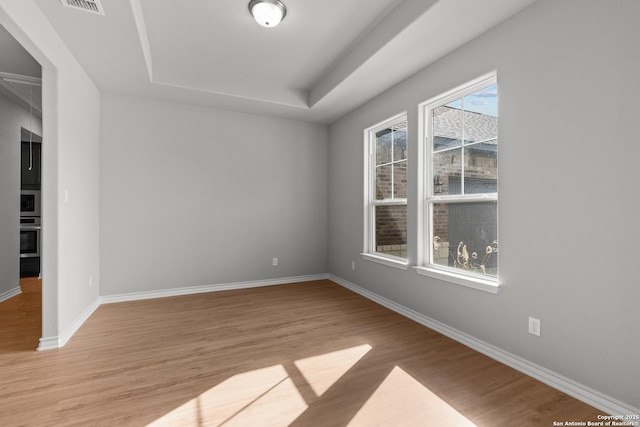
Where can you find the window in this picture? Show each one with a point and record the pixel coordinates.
(386, 192)
(460, 198)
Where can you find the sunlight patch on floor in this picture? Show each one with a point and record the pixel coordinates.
(263, 397)
(401, 400)
(269, 397)
(322, 371)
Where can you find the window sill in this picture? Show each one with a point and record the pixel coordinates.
(394, 262)
(478, 283)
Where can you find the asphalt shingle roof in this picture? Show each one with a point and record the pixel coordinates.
(448, 123)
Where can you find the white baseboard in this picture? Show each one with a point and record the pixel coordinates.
(134, 296)
(581, 392)
(52, 343)
(79, 321)
(48, 343)
(10, 293)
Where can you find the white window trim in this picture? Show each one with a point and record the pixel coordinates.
(369, 253)
(479, 283)
(426, 196)
(389, 260)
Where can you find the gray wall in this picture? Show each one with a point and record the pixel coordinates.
(194, 197)
(567, 73)
(12, 119)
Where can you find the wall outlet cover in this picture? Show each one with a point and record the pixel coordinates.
(534, 326)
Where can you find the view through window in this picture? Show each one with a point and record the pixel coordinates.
(462, 174)
(387, 189)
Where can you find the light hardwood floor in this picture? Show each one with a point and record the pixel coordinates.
(308, 354)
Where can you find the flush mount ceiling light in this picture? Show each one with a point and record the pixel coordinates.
(267, 13)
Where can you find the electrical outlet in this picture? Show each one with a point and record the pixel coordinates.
(353, 265)
(534, 326)
(275, 262)
(90, 281)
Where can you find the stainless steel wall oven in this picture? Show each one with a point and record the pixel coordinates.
(30, 230)
(30, 233)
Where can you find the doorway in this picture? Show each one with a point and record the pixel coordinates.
(20, 197)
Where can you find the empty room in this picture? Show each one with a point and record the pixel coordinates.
(327, 213)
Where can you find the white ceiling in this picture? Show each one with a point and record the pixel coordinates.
(19, 74)
(324, 59)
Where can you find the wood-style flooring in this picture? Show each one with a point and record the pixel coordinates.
(306, 354)
(21, 321)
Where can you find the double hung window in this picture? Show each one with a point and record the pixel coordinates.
(460, 198)
(457, 205)
(386, 192)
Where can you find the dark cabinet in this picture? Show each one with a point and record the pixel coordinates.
(31, 176)
(30, 267)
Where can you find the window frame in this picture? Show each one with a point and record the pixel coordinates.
(427, 196)
(370, 202)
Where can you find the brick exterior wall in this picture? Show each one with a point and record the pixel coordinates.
(471, 220)
(391, 230)
(391, 183)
